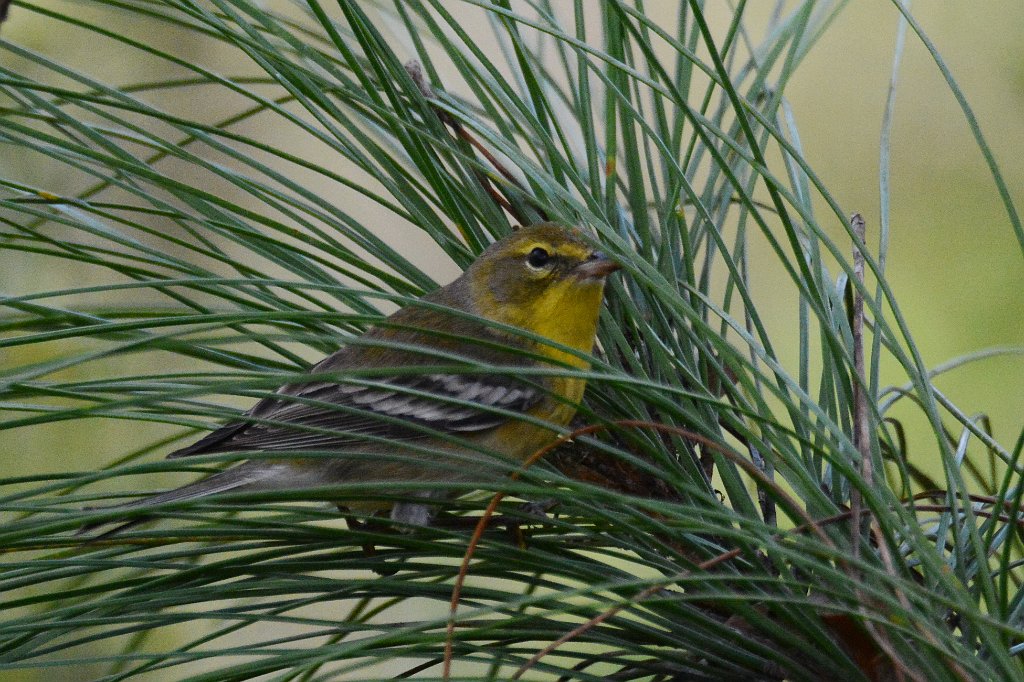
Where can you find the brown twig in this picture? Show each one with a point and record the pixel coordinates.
(869, 664)
(862, 442)
(861, 435)
(861, 432)
(883, 550)
(633, 601)
(748, 467)
(415, 71)
(474, 540)
(647, 592)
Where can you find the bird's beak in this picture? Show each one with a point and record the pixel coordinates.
(597, 266)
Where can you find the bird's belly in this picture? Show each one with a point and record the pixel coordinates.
(520, 439)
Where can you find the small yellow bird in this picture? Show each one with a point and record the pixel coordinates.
(410, 422)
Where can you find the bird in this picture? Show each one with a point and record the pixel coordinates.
(426, 394)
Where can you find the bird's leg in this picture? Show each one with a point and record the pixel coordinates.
(511, 524)
(536, 510)
(370, 524)
(414, 513)
(366, 524)
(539, 509)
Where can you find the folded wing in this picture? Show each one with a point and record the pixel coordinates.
(329, 415)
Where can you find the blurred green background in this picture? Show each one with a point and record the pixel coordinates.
(954, 262)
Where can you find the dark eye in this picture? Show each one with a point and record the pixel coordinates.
(538, 258)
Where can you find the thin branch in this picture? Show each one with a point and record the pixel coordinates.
(861, 432)
(748, 467)
(415, 71)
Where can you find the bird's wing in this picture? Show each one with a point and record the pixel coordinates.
(326, 415)
(409, 405)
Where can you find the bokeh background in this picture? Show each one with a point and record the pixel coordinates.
(954, 263)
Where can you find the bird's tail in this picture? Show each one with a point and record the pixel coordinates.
(244, 476)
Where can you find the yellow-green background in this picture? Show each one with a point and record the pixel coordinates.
(954, 263)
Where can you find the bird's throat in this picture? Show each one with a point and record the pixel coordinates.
(568, 315)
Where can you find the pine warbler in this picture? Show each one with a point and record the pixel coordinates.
(410, 422)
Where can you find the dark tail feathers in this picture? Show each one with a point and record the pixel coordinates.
(236, 478)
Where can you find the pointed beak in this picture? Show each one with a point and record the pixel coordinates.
(597, 266)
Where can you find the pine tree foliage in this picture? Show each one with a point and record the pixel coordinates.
(733, 507)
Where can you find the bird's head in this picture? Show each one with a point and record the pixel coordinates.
(544, 278)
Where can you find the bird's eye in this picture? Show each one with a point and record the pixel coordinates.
(538, 258)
